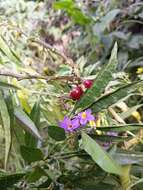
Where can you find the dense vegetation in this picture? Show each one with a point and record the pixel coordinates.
(71, 95)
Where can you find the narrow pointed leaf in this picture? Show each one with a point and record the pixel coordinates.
(8, 51)
(6, 125)
(8, 86)
(122, 128)
(125, 158)
(103, 78)
(101, 157)
(109, 138)
(26, 122)
(113, 97)
(30, 140)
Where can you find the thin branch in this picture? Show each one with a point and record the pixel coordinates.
(21, 76)
(66, 59)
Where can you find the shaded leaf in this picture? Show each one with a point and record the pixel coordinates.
(36, 174)
(8, 180)
(105, 21)
(31, 154)
(92, 185)
(56, 133)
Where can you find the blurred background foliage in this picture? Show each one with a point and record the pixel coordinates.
(48, 47)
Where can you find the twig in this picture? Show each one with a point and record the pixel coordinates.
(66, 59)
(116, 116)
(37, 76)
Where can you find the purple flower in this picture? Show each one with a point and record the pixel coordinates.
(85, 117)
(69, 125)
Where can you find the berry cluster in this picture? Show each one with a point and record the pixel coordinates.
(77, 92)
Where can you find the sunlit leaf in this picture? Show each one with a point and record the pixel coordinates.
(101, 81)
(109, 138)
(122, 128)
(113, 97)
(64, 4)
(26, 122)
(76, 14)
(129, 112)
(35, 117)
(8, 86)
(127, 157)
(8, 51)
(103, 159)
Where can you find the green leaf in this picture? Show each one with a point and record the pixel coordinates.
(44, 184)
(35, 117)
(9, 103)
(64, 4)
(127, 157)
(122, 128)
(70, 7)
(8, 86)
(91, 184)
(6, 125)
(36, 174)
(8, 51)
(8, 180)
(26, 122)
(113, 97)
(101, 81)
(79, 17)
(31, 154)
(105, 21)
(35, 113)
(56, 133)
(109, 138)
(102, 158)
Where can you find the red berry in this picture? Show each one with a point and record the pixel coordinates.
(88, 83)
(76, 93)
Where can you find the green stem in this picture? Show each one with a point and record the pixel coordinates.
(125, 178)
